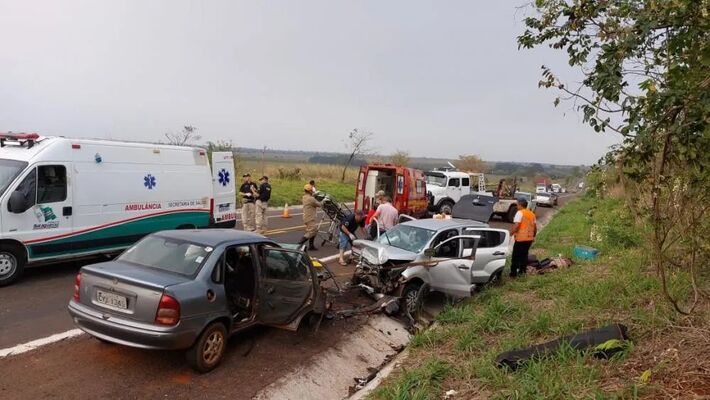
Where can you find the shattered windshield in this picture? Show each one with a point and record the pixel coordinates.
(436, 180)
(9, 169)
(407, 237)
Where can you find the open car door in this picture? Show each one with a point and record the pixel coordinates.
(491, 253)
(476, 207)
(224, 210)
(286, 287)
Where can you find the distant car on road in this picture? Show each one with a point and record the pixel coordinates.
(192, 289)
(546, 199)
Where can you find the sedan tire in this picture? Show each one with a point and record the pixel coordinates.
(208, 350)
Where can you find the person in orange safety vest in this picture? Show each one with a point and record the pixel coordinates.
(524, 230)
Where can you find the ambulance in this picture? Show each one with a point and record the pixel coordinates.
(405, 186)
(64, 198)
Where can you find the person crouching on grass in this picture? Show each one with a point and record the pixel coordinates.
(524, 231)
(348, 228)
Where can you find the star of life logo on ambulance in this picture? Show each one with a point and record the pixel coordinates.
(46, 218)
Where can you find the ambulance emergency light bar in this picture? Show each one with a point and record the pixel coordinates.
(21, 138)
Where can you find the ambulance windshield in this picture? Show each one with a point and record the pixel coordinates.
(9, 169)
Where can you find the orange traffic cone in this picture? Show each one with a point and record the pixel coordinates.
(285, 214)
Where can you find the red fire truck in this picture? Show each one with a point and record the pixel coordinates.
(406, 187)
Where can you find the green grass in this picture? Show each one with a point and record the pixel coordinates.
(615, 287)
(287, 179)
(291, 191)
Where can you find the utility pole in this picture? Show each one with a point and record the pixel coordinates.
(263, 167)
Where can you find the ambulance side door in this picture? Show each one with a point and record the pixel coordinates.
(38, 210)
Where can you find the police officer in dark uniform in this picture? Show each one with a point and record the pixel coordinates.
(262, 203)
(249, 193)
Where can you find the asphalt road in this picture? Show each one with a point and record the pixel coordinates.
(35, 308)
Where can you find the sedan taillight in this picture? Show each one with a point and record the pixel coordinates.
(168, 311)
(77, 287)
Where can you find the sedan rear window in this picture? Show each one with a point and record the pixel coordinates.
(167, 254)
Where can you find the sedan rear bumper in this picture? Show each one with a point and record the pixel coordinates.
(128, 333)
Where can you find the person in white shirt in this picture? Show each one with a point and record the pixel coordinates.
(386, 214)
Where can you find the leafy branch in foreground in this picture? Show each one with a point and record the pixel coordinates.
(646, 69)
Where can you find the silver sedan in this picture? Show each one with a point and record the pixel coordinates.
(193, 289)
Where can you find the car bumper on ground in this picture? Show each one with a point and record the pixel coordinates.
(130, 333)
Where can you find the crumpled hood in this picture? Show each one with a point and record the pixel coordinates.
(378, 253)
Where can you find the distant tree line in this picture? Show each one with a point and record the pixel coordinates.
(336, 160)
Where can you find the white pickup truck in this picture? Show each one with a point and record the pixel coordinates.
(446, 187)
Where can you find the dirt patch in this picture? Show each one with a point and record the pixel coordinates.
(677, 360)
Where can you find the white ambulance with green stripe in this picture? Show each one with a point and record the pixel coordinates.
(64, 198)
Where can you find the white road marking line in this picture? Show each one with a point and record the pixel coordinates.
(57, 337)
(29, 346)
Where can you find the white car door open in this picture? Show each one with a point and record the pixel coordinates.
(491, 252)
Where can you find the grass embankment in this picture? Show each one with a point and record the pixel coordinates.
(668, 355)
(288, 178)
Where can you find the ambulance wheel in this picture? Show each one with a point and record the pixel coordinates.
(510, 216)
(446, 207)
(12, 263)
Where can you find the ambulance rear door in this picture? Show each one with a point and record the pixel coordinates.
(224, 209)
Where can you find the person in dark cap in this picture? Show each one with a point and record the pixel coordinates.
(262, 203)
(249, 193)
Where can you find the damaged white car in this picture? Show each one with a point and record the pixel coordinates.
(452, 256)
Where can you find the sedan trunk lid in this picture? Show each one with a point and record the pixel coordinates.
(125, 290)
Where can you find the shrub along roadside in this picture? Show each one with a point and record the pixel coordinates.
(618, 286)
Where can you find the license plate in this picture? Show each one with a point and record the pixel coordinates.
(111, 299)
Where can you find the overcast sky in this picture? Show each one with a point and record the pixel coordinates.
(435, 78)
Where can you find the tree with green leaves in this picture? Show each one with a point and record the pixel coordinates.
(471, 163)
(400, 157)
(645, 68)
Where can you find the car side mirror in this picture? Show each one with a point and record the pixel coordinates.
(467, 253)
(430, 252)
(17, 203)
